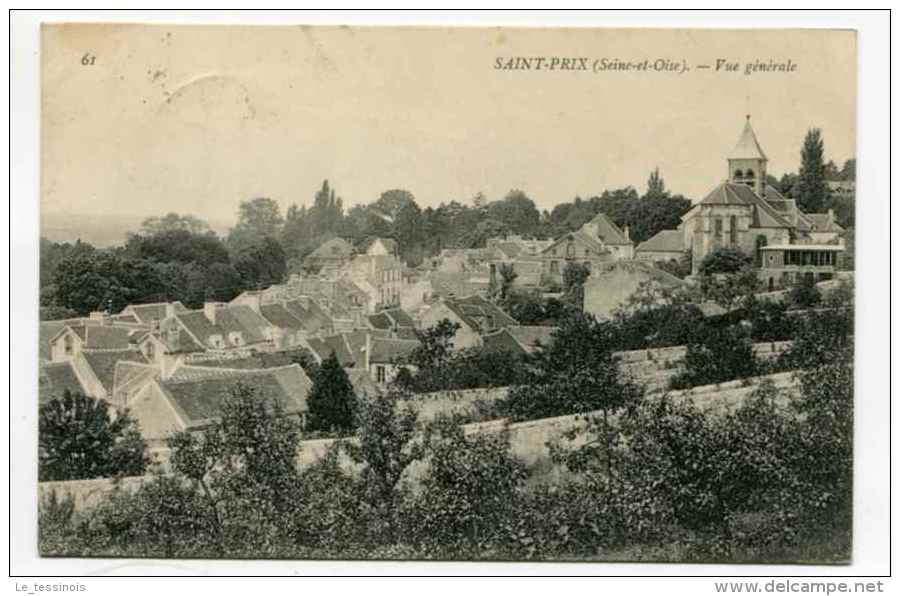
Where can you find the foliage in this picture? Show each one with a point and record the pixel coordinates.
(179, 246)
(577, 373)
(811, 190)
(470, 368)
(464, 507)
(805, 294)
(730, 290)
(331, 400)
(715, 355)
(725, 259)
(574, 277)
(435, 345)
(768, 320)
(82, 437)
(656, 316)
(680, 268)
(258, 218)
(170, 222)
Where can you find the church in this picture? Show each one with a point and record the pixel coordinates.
(746, 212)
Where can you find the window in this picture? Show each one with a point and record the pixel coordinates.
(733, 229)
(380, 374)
(719, 225)
(738, 176)
(554, 267)
(749, 178)
(570, 249)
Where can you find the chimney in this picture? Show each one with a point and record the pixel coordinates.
(170, 309)
(627, 233)
(209, 310)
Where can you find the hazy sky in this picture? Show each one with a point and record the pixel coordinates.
(195, 119)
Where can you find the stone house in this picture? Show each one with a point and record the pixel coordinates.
(475, 315)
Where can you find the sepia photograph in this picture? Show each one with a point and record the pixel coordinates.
(434, 293)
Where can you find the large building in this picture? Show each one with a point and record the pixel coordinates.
(747, 213)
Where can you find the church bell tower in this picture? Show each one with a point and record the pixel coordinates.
(747, 162)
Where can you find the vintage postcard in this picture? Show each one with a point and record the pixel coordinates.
(446, 293)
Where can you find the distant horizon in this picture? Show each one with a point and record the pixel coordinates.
(195, 119)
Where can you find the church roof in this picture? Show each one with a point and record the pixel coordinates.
(747, 146)
(764, 215)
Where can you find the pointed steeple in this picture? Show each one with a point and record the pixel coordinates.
(747, 146)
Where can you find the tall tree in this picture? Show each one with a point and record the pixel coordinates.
(517, 211)
(331, 400)
(655, 184)
(172, 222)
(811, 190)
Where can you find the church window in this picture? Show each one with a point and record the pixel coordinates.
(570, 250)
(738, 176)
(749, 178)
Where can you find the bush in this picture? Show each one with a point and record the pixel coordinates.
(715, 356)
(81, 437)
(331, 400)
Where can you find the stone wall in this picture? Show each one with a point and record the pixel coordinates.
(528, 440)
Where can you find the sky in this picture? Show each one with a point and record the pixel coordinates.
(196, 119)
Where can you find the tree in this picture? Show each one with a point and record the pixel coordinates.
(725, 259)
(244, 464)
(716, 355)
(487, 228)
(517, 211)
(655, 185)
(178, 245)
(257, 219)
(508, 276)
(574, 277)
(171, 222)
(436, 345)
(848, 172)
(576, 374)
(81, 437)
(331, 400)
(811, 190)
(805, 294)
(385, 447)
(261, 263)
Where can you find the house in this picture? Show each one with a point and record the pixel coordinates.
(666, 245)
(330, 254)
(394, 322)
(611, 285)
(192, 399)
(617, 240)
(519, 339)
(386, 356)
(70, 340)
(55, 378)
(475, 315)
(146, 314)
(380, 276)
(747, 213)
(452, 285)
(825, 229)
(416, 293)
(380, 247)
(576, 247)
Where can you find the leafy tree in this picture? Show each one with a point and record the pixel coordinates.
(716, 355)
(331, 400)
(468, 496)
(574, 277)
(811, 190)
(178, 245)
(261, 263)
(171, 222)
(655, 184)
(516, 211)
(436, 345)
(385, 447)
(244, 464)
(848, 172)
(576, 374)
(508, 276)
(82, 437)
(390, 202)
(726, 259)
(488, 228)
(805, 294)
(258, 219)
(768, 320)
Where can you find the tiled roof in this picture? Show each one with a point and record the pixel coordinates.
(391, 350)
(389, 244)
(107, 337)
(153, 311)
(258, 360)
(336, 248)
(580, 237)
(607, 230)
(644, 268)
(279, 316)
(103, 363)
(473, 307)
(200, 395)
(456, 284)
(747, 146)
(310, 315)
(663, 241)
(532, 336)
(390, 318)
(824, 222)
(55, 378)
(132, 374)
(324, 347)
(764, 215)
(229, 319)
